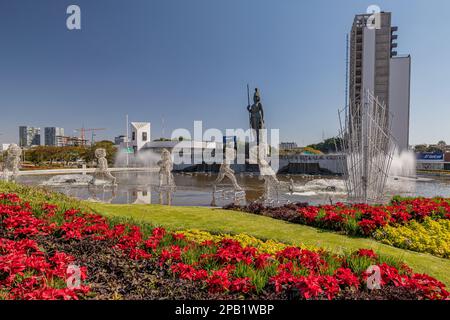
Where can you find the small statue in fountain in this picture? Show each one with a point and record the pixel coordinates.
(291, 185)
(226, 171)
(12, 162)
(102, 167)
(165, 169)
(271, 182)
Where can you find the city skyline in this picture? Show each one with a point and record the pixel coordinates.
(141, 65)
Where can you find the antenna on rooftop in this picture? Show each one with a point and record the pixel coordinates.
(162, 126)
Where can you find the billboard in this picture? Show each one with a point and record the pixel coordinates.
(430, 156)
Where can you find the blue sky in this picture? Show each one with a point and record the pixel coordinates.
(186, 60)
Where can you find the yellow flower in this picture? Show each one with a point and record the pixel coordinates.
(430, 236)
(268, 246)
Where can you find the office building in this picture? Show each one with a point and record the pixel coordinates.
(54, 136)
(29, 136)
(119, 140)
(375, 66)
(288, 145)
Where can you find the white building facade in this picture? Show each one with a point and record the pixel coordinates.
(399, 99)
(140, 135)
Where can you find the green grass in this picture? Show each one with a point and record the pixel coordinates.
(225, 221)
(233, 222)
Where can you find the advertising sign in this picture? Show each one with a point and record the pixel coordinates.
(430, 156)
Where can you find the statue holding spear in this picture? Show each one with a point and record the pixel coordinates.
(256, 113)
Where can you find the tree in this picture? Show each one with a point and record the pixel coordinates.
(420, 148)
(111, 151)
(328, 145)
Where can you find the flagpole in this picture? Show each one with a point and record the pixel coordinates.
(126, 126)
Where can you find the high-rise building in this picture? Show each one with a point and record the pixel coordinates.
(29, 136)
(53, 136)
(119, 140)
(288, 145)
(374, 66)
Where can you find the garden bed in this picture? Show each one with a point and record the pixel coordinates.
(392, 224)
(40, 242)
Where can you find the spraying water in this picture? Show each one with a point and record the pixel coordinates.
(143, 159)
(403, 164)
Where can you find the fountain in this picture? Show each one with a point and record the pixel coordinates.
(145, 158)
(68, 179)
(403, 164)
(101, 176)
(368, 146)
(12, 163)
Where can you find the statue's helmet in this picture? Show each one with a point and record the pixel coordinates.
(100, 153)
(256, 96)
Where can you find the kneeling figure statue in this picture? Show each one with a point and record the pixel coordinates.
(102, 170)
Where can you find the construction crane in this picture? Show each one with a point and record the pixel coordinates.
(83, 131)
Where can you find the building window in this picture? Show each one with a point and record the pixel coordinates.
(144, 136)
(133, 136)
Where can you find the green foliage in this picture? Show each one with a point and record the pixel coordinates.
(110, 148)
(358, 264)
(351, 226)
(430, 148)
(328, 145)
(51, 154)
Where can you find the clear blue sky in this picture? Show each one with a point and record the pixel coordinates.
(188, 60)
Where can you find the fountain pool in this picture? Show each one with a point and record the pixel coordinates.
(194, 189)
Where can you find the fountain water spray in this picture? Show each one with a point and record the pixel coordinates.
(403, 164)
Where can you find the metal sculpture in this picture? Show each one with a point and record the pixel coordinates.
(368, 147)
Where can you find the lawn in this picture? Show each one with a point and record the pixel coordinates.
(225, 221)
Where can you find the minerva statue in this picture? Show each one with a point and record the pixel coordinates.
(102, 167)
(12, 162)
(165, 169)
(256, 114)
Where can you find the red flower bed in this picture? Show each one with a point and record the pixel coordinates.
(26, 272)
(358, 219)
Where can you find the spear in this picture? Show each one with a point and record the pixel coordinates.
(248, 106)
(248, 94)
